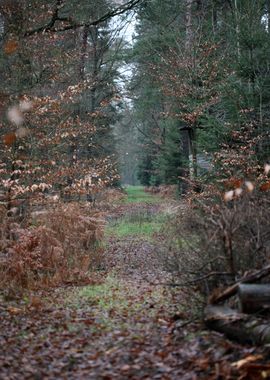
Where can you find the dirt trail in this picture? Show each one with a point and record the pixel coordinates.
(126, 327)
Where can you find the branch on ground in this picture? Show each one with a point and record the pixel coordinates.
(232, 290)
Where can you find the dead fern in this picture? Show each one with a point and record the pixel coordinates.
(61, 246)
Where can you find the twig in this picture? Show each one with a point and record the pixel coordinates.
(232, 290)
(195, 281)
(184, 324)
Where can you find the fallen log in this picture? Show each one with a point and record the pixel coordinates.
(237, 326)
(253, 298)
(232, 290)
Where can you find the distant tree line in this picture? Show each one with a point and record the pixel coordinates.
(201, 89)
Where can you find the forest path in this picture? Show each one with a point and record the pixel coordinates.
(126, 326)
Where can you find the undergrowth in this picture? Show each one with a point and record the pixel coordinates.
(60, 245)
(216, 240)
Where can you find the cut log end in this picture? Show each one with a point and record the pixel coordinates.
(253, 298)
(237, 326)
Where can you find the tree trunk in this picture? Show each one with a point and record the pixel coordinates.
(214, 17)
(237, 326)
(237, 28)
(184, 152)
(232, 290)
(192, 153)
(191, 135)
(253, 298)
(268, 15)
(94, 60)
(188, 23)
(85, 34)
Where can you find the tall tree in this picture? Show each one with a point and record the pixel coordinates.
(50, 125)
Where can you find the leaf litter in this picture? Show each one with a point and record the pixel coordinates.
(125, 326)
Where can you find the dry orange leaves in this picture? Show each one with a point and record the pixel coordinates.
(9, 138)
(11, 46)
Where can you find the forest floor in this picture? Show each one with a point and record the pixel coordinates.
(126, 325)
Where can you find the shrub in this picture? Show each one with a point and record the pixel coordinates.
(219, 238)
(61, 246)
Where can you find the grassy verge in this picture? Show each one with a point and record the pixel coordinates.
(139, 224)
(136, 194)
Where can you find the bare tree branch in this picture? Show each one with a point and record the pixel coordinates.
(72, 25)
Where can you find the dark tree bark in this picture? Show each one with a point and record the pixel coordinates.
(237, 326)
(85, 34)
(253, 298)
(232, 290)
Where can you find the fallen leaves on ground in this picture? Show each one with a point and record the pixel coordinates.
(124, 327)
